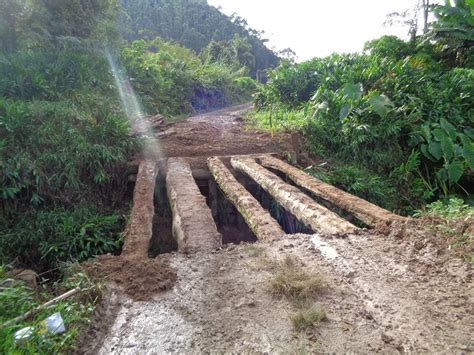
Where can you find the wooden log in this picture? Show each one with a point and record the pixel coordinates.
(193, 226)
(305, 209)
(367, 212)
(256, 217)
(139, 230)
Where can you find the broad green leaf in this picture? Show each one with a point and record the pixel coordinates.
(465, 139)
(457, 151)
(448, 128)
(439, 134)
(469, 132)
(424, 150)
(446, 143)
(426, 132)
(435, 150)
(380, 104)
(353, 91)
(455, 171)
(448, 147)
(442, 174)
(468, 154)
(344, 112)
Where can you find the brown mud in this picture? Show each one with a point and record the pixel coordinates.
(218, 133)
(393, 289)
(140, 278)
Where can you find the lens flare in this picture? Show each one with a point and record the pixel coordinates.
(137, 120)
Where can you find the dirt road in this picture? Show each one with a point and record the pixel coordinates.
(382, 293)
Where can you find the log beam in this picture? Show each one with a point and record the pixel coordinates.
(257, 218)
(304, 208)
(367, 212)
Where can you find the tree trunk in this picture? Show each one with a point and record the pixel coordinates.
(258, 219)
(367, 212)
(426, 11)
(304, 208)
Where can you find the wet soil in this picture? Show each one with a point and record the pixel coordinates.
(139, 277)
(218, 133)
(380, 295)
(392, 289)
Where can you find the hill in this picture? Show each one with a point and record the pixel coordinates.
(194, 24)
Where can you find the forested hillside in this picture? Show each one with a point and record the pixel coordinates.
(194, 24)
(88, 86)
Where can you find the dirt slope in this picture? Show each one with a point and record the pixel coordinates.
(381, 293)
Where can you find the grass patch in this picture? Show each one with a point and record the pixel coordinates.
(278, 119)
(308, 318)
(16, 299)
(254, 250)
(294, 283)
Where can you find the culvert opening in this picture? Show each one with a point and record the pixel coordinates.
(288, 222)
(162, 240)
(228, 220)
(329, 205)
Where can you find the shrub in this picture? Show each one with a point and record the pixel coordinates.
(397, 112)
(47, 237)
(16, 299)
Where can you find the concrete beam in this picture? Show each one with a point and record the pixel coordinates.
(367, 212)
(139, 230)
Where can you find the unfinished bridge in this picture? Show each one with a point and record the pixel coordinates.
(240, 198)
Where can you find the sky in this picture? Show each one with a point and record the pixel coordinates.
(316, 28)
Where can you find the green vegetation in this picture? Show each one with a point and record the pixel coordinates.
(394, 122)
(65, 137)
(173, 80)
(451, 222)
(17, 298)
(308, 318)
(196, 25)
(452, 208)
(64, 141)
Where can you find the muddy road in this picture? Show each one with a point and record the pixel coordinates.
(388, 290)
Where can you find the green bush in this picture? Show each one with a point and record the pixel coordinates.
(47, 237)
(398, 112)
(16, 299)
(172, 80)
(58, 152)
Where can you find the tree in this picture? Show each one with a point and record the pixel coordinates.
(10, 13)
(288, 54)
(410, 18)
(195, 24)
(454, 28)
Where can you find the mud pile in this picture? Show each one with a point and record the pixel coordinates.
(140, 278)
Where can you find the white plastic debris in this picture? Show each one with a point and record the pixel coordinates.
(23, 334)
(55, 324)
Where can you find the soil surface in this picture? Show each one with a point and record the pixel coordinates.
(218, 133)
(392, 289)
(380, 295)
